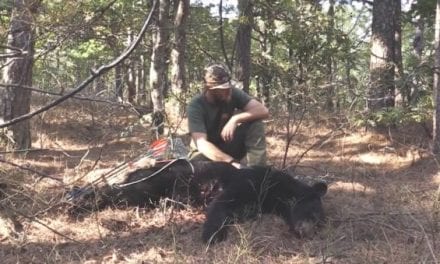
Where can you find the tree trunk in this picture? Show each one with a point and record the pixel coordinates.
(178, 51)
(158, 62)
(436, 85)
(119, 83)
(141, 79)
(265, 71)
(130, 80)
(418, 45)
(381, 87)
(16, 101)
(330, 89)
(243, 44)
(130, 72)
(398, 53)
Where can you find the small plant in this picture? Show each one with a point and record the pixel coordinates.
(392, 117)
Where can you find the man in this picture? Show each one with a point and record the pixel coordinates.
(225, 122)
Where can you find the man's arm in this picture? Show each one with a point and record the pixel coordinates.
(253, 110)
(208, 149)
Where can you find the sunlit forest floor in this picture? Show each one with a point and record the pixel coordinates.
(382, 203)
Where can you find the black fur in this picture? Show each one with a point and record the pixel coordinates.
(243, 194)
(257, 190)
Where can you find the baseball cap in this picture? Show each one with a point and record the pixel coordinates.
(217, 77)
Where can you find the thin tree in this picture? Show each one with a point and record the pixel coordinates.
(178, 50)
(158, 64)
(243, 43)
(436, 85)
(15, 101)
(330, 87)
(398, 61)
(381, 88)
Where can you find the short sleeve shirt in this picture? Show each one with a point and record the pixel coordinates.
(204, 117)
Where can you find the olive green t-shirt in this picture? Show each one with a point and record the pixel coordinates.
(204, 117)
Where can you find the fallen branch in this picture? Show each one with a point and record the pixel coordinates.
(321, 142)
(33, 219)
(425, 235)
(82, 98)
(42, 175)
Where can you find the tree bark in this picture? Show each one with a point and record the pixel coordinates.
(330, 88)
(178, 82)
(158, 62)
(119, 83)
(381, 88)
(436, 85)
(15, 101)
(418, 45)
(243, 44)
(398, 52)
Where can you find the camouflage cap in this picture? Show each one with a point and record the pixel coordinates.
(217, 77)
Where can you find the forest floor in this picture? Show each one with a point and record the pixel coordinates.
(382, 204)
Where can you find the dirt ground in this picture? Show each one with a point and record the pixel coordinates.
(382, 205)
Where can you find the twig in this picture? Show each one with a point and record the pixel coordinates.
(33, 219)
(22, 150)
(42, 175)
(428, 242)
(290, 136)
(92, 77)
(83, 157)
(34, 89)
(318, 143)
(11, 48)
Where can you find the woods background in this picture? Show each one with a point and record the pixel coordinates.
(368, 61)
(352, 88)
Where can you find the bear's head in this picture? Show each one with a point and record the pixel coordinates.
(307, 212)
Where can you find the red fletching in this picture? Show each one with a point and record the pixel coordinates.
(158, 148)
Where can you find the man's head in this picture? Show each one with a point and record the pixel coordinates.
(217, 83)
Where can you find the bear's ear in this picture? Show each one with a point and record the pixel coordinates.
(320, 188)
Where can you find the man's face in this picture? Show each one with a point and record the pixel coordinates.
(220, 96)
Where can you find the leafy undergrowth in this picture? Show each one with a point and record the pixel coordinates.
(382, 203)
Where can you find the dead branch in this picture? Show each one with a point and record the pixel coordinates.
(33, 219)
(60, 94)
(22, 150)
(290, 136)
(12, 55)
(425, 235)
(103, 69)
(42, 175)
(321, 142)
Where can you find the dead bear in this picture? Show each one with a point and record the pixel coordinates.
(243, 194)
(261, 190)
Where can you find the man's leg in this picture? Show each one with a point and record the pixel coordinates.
(255, 143)
(250, 141)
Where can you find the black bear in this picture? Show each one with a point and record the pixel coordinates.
(243, 193)
(250, 191)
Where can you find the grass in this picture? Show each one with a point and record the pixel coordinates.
(382, 204)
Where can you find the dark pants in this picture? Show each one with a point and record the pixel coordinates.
(249, 141)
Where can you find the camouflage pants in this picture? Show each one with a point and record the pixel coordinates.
(249, 141)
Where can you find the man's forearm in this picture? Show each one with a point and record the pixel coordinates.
(244, 117)
(254, 110)
(212, 152)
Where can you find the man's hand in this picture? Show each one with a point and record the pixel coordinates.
(228, 130)
(237, 165)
